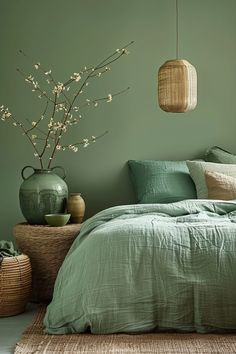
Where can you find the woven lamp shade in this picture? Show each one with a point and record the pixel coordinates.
(177, 86)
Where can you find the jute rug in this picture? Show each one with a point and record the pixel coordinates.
(35, 341)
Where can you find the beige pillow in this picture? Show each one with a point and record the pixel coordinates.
(198, 169)
(220, 186)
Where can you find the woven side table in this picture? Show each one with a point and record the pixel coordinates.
(46, 247)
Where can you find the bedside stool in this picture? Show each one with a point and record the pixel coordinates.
(46, 247)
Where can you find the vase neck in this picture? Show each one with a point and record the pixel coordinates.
(42, 170)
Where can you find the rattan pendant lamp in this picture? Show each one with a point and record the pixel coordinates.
(177, 82)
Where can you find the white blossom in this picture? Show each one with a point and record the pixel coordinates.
(61, 106)
(77, 77)
(6, 114)
(33, 123)
(55, 127)
(48, 72)
(85, 142)
(33, 136)
(109, 98)
(125, 51)
(58, 88)
(37, 65)
(29, 79)
(58, 147)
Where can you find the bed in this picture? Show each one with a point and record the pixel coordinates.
(150, 267)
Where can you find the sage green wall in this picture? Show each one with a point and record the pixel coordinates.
(66, 35)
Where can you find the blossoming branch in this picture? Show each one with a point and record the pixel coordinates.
(63, 107)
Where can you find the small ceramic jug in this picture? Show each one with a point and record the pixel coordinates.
(76, 207)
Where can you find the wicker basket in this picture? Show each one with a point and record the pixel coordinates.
(15, 284)
(46, 247)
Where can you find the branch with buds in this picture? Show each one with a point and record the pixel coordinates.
(62, 107)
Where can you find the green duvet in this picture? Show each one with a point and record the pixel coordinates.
(152, 267)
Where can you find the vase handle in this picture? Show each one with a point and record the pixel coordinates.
(23, 170)
(61, 168)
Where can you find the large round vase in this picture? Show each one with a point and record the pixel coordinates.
(43, 192)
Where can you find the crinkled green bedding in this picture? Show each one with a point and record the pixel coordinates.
(139, 268)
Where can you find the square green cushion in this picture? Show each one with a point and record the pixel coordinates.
(218, 155)
(198, 169)
(161, 181)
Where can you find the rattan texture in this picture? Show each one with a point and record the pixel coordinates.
(34, 340)
(46, 247)
(177, 86)
(15, 284)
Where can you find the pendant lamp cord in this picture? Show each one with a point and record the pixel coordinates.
(177, 28)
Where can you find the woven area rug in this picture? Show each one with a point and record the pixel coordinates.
(35, 341)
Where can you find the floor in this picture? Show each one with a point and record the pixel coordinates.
(11, 329)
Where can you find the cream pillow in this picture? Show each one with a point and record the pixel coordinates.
(220, 186)
(197, 170)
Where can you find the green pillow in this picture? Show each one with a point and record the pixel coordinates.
(198, 169)
(161, 181)
(218, 155)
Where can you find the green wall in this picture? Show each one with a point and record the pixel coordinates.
(66, 35)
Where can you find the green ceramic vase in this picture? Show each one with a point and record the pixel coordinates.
(43, 192)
